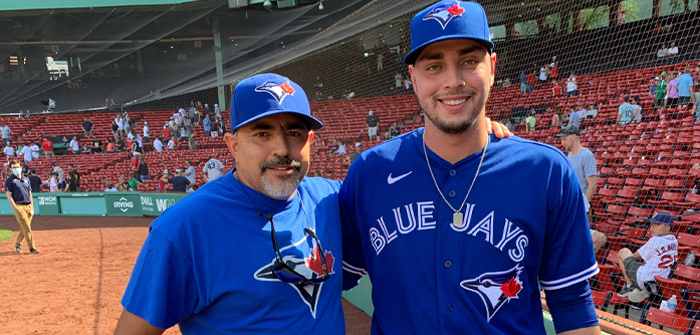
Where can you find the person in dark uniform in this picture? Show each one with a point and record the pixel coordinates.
(19, 194)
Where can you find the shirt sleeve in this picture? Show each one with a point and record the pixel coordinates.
(162, 289)
(568, 256)
(353, 260)
(8, 185)
(589, 168)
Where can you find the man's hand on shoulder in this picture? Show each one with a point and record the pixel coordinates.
(497, 128)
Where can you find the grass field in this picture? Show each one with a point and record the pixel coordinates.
(5, 234)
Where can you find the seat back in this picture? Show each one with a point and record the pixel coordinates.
(666, 319)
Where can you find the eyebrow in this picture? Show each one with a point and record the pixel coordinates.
(440, 55)
(289, 126)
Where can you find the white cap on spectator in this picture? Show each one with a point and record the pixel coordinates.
(371, 112)
(657, 78)
(166, 171)
(358, 144)
(146, 122)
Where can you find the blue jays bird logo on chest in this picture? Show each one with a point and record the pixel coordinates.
(496, 288)
(443, 14)
(278, 90)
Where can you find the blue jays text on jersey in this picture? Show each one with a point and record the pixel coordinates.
(524, 226)
(420, 216)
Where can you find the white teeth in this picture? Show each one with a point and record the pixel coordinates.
(453, 102)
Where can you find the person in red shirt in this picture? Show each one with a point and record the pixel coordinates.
(554, 74)
(556, 88)
(167, 132)
(48, 148)
(531, 80)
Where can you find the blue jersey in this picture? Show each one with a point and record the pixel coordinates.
(207, 263)
(524, 224)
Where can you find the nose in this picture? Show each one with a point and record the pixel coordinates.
(455, 78)
(280, 145)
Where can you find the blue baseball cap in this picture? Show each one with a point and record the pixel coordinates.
(662, 218)
(448, 20)
(268, 94)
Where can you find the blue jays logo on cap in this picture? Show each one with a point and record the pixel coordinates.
(496, 288)
(443, 13)
(278, 90)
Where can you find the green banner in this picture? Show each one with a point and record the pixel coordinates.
(123, 203)
(153, 204)
(45, 204)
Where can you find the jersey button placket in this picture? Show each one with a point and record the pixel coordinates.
(453, 172)
(448, 263)
(452, 193)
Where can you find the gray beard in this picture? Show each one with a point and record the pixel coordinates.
(281, 189)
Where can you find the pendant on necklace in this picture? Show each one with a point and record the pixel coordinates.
(457, 219)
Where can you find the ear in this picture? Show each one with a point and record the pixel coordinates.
(232, 144)
(493, 67)
(312, 135)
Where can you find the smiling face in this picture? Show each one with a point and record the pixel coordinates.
(452, 80)
(272, 154)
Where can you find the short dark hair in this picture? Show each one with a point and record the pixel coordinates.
(14, 161)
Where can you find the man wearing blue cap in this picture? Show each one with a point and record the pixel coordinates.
(458, 229)
(654, 258)
(268, 261)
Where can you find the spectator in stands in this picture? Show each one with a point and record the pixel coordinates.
(173, 143)
(52, 105)
(74, 146)
(584, 164)
(115, 129)
(61, 175)
(143, 168)
(73, 181)
(372, 125)
(96, 146)
(530, 121)
(571, 86)
(353, 155)
(672, 90)
(207, 125)
(191, 143)
(673, 50)
(34, 181)
(86, 127)
(48, 148)
(120, 144)
(695, 97)
(167, 131)
(122, 184)
(582, 111)
(35, 150)
(134, 184)
(656, 257)
(523, 83)
(86, 148)
(574, 118)
(510, 125)
(146, 133)
(9, 150)
(215, 127)
(407, 86)
(212, 169)
(158, 144)
(222, 126)
(187, 124)
(341, 148)
(110, 187)
(661, 92)
(654, 86)
(119, 120)
(556, 88)
(207, 111)
(178, 181)
(554, 71)
(196, 118)
(662, 52)
(217, 111)
(637, 113)
(190, 172)
(506, 83)
(531, 78)
(544, 70)
(27, 153)
(183, 134)
(53, 181)
(199, 105)
(625, 112)
(592, 111)
(556, 120)
(394, 130)
(5, 132)
(685, 87)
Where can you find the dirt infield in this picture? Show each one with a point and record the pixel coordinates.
(74, 286)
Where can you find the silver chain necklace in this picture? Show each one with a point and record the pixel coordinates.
(457, 217)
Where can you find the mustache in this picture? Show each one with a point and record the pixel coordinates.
(281, 160)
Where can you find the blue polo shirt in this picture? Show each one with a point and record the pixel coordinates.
(20, 189)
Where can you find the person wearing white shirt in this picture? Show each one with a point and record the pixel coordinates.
(171, 144)
(213, 169)
(120, 122)
(158, 144)
(35, 150)
(543, 74)
(146, 132)
(673, 50)
(130, 136)
(110, 187)
(139, 140)
(663, 52)
(190, 173)
(27, 153)
(74, 145)
(217, 110)
(571, 87)
(9, 151)
(182, 112)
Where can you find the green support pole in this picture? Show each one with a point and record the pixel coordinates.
(219, 65)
